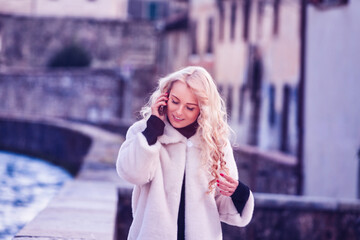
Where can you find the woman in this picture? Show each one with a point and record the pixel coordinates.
(181, 163)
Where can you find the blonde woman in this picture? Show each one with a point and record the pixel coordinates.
(181, 163)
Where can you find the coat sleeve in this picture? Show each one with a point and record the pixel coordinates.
(137, 160)
(227, 210)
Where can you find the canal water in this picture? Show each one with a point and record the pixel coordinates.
(26, 186)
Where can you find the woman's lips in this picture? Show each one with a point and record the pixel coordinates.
(176, 119)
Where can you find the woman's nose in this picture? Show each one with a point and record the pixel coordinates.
(179, 111)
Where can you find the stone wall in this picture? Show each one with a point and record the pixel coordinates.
(93, 95)
(28, 42)
(281, 217)
(266, 171)
(102, 95)
(61, 146)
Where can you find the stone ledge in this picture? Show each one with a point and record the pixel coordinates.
(280, 216)
(291, 202)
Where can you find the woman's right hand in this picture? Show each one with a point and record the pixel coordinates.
(161, 101)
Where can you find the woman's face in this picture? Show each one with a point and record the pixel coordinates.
(182, 107)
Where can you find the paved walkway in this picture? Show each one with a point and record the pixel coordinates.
(86, 207)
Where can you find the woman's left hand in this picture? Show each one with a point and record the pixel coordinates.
(227, 185)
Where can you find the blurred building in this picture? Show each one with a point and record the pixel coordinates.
(100, 9)
(331, 106)
(252, 49)
(288, 78)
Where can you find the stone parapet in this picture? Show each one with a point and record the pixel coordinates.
(266, 171)
(279, 216)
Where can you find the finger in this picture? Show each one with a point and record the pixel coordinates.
(160, 102)
(228, 178)
(162, 99)
(227, 184)
(157, 105)
(228, 194)
(164, 95)
(231, 183)
(225, 188)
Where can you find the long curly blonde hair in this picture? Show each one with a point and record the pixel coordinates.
(213, 127)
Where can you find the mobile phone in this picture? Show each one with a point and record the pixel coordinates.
(162, 110)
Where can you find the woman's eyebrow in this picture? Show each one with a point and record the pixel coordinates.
(191, 104)
(175, 97)
(180, 100)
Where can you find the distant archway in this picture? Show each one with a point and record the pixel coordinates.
(70, 56)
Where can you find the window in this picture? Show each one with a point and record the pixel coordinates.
(260, 13)
(221, 9)
(272, 113)
(276, 17)
(246, 14)
(193, 37)
(153, 10)
(210, 33)
(229, 102)
(0, 39)
(242, 91)
(233, 20)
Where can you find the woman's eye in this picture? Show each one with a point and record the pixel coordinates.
(174, 102)
(189, 108)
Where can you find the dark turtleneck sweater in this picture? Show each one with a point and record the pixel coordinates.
(155, 128)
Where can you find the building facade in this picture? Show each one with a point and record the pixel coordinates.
(252, 49)
(332, 113)
(99, 9)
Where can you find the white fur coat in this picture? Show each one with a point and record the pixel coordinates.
(157, 172)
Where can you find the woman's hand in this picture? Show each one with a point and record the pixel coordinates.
(161, 101)
(227, 185)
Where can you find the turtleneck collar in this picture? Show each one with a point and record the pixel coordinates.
(189, 130)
